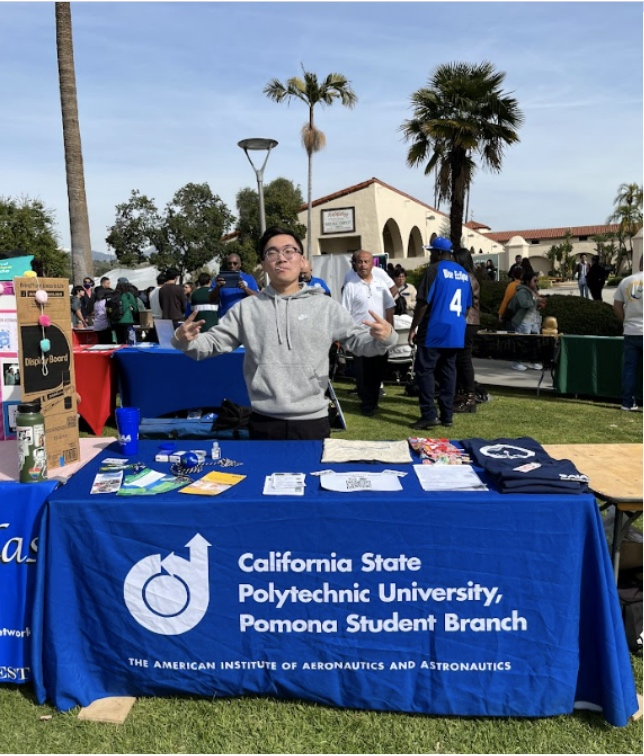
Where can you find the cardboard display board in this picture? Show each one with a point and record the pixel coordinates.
(49, 376)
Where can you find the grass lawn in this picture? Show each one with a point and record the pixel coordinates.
(258, 725)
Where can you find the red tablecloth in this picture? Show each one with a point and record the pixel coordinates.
(96, 386)
(82, 336)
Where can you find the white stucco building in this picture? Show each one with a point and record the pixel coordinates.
(380, 218)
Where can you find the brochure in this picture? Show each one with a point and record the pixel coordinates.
(213, 483)
(149, 481)
(107, 482)
(284, 484)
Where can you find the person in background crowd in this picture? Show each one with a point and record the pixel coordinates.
(154, 297)
(105, 283)
(406, 298)
(510, 290)
(307, 277)
(465, 398)
(172, 298)
(227, 297)
(144, 296)
(596, 278)
(140, 304)
(360, 298)
(189, 288)
(102, 325)
(130, 307)
(88, 287)
(201, 302)
(287, 331)
(527, 318)
(527, 268)
(490, 270)
(627, 306)
(581, 272)
(444, 296)
(78, 317)
(515, 264)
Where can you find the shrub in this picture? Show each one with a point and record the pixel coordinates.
(581, 316)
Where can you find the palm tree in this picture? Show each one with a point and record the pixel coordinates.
(628, 214)
(462, 112)
(82, 264)
(312, 93)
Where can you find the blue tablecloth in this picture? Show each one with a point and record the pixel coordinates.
(160, 381)
(20, 508)
(469, 604)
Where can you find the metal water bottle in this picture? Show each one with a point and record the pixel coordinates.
(30, 430)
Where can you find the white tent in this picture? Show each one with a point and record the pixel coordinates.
(141, 277)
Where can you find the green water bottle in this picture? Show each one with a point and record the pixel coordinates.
(30, 430)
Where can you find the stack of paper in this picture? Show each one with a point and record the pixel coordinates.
(448, 478)
(284, 484)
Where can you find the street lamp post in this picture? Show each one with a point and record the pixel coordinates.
(259, 144)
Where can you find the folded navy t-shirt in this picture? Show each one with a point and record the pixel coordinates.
(522, 465)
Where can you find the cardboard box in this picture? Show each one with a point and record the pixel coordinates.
(49, 376)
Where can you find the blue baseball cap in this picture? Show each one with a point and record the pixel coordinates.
(441, 244)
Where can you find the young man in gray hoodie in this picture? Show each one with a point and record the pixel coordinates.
(287, 331)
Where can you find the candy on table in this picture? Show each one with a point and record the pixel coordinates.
(438, 451)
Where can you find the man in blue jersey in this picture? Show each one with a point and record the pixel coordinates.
(225, 296)
(444, 295)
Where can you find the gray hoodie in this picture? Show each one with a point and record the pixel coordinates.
(287, 341)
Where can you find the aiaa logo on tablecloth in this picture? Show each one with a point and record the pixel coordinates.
(170, 596)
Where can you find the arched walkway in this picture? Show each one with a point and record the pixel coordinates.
(415, 243)
(392, 242)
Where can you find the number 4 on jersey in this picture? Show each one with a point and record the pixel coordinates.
(455, 305)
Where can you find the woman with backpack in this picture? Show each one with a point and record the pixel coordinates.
(121, 308)
(526, 318)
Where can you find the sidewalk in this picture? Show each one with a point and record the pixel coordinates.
(500, 373)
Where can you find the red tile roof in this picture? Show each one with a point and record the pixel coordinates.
(364, 185)
(552, 233)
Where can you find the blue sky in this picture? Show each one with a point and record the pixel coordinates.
(166, 90)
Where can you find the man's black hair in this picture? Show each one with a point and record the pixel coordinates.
(171, 274)
(204, 279)
(276, 231)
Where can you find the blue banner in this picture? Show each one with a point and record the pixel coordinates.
(19, 521)
(15, 267)
(470, 604)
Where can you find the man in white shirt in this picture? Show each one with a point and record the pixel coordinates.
(627, 305)
(361, 296)
(377, 272)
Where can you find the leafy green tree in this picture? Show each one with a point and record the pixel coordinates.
(27, 226)
(311, 92)
(563, 256)
(606, 247)
(186, 236)
(627, 213)
(461, 113)
(82, 264)
(135, 229)
(282, 203)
